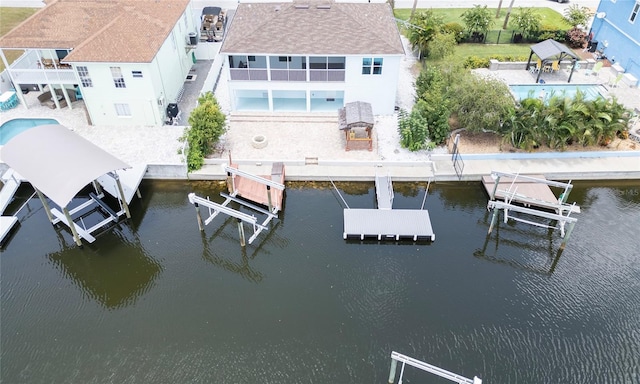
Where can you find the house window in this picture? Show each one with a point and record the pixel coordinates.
(372, 66)
(136, 73)
(118, 80)
(83, 73)
(122, 109)
(634, 12)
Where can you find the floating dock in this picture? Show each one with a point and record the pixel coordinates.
(385, 222)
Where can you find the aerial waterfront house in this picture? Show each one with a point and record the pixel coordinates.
(127, 59)
(616, 31)
(312, 56)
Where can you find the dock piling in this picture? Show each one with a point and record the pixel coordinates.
(241, 233)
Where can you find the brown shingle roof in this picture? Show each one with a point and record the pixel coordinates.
(116, 31)
(322, 27)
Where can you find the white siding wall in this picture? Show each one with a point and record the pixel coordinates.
(161, 79)
(102, 97)
(379, 90)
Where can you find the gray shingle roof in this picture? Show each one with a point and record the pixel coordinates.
(313, 27)
(116, 31)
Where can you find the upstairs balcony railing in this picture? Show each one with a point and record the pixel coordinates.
(31, 68)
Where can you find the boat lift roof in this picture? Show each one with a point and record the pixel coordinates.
(57, 161)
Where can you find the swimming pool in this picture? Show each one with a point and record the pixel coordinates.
(15, 126)
(520, 92)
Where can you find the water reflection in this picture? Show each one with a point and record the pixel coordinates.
(536, 249)
(115, 272)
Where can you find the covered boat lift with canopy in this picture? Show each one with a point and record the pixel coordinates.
(551, 50)
(59, 164)
(357, 114)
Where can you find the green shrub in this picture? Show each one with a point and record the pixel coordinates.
(473, 62)
(413, 130)
(207, 125)
(456, 29)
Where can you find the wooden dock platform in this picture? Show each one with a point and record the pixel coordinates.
(388, 224)
(256, 190)
(529, 190)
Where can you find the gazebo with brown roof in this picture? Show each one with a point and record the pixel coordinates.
(357, 114)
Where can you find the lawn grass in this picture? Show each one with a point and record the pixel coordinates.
(550, 19)
(454, 15)
(9, 18)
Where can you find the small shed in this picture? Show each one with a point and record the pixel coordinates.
(356, 120)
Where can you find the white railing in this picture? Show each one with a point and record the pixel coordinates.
(44, 76)
(395, 357)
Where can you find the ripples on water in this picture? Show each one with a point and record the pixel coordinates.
(157, 301)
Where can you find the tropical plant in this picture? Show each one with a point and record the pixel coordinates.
(478, 19)
(442, 45)
(576, 15)
(413, 130)
(207, 124)
(423, 27)
(527, 22)
(480, 104)
(456, 29)
(576, 37)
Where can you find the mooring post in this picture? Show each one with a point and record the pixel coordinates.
(45, 204)
(495, 187)
(241, 233)
(97, 187)
(392, 371)
(567, 235)
(230, 183)
(198, 216)
(269, 198)
(493, 219)
(123, 199)
(72, 225)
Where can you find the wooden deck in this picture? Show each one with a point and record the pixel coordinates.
(257, 192)
(523, 191)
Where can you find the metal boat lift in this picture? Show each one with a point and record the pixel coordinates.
(406, 360)
(247, 189)
(533, 196)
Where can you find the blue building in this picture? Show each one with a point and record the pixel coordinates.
(616, 28)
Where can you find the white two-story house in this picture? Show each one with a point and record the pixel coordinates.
(127, 59)
(312, 56)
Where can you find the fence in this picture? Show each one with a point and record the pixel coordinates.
(497, 36)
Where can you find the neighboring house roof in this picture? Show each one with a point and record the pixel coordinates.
(117, 31)
(313, 27)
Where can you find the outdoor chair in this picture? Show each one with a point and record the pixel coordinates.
(613, 81)
(555, 66)
(596, 69)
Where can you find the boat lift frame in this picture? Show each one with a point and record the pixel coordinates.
(511, 194)
(215, 208)
(397, 357)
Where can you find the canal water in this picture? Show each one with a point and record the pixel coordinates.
(157, 301)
